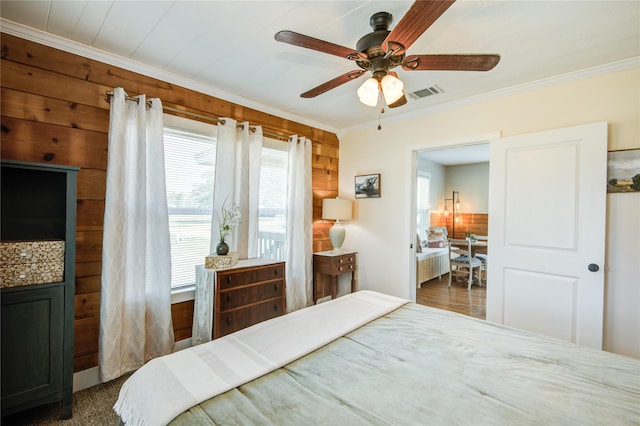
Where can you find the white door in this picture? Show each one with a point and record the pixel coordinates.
(547, 197)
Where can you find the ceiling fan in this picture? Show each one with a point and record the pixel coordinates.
(382, 50)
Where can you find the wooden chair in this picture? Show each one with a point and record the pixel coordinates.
(462, 260)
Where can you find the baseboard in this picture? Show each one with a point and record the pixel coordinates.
(182, 344)
(91, 377)
(85, 379)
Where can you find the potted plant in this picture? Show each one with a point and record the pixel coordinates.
(228, 219)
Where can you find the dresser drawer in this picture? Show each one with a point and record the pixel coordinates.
(235, 320)
(230, 299)
(236, 278)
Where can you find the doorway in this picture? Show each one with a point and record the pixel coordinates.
(456, 201)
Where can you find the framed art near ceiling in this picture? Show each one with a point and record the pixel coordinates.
(623, 171)
(368, 186)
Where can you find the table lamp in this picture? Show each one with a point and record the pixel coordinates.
(336, 209)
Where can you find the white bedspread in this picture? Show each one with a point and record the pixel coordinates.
(167, 386)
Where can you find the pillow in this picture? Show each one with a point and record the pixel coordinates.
(418, 244)
(436, 244)
(438, 230)
(435, 234)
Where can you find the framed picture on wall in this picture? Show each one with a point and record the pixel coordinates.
(623, 171)
(368, 186)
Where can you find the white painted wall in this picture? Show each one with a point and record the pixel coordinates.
(472, 183)
(380, 229)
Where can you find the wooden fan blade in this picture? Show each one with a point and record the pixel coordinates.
(420, 16)
(307, 42)
(471, 62)
(332, 84)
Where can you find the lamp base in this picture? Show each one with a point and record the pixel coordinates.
(336, 236)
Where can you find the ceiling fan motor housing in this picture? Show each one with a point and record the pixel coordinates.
(378, 62)
(380, 24)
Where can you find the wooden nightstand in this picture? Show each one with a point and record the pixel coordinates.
(332, 265)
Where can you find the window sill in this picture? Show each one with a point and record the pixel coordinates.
(183, 293)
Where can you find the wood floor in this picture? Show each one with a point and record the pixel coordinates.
(437, 294)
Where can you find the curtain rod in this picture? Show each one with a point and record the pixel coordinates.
(200, 116)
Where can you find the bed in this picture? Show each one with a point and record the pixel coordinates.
(431, 263)
(395, 362)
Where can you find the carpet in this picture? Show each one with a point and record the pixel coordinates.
(92, 406)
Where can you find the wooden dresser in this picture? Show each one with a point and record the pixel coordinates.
(247, 294)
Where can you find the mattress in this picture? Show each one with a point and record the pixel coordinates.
(421, 365)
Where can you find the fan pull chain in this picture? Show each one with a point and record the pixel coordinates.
(381, 102)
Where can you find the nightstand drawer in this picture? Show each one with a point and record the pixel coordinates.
(344, 264)
(236, 278)
(247, 295)
(238, 319)
(335, 264)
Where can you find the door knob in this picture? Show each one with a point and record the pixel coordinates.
(593, 267)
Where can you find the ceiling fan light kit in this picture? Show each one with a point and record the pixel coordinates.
(391, 87)
(382, 50)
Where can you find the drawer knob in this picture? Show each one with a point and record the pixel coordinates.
(228, 298)
(340, 261)
(340, 268)
(275, 271)
(350, 266)
(228, 320)
(229, 279)
(275, 306)
(275, 287)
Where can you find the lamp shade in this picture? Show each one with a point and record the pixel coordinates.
(392, 88)
(336, 209)
(368, 92)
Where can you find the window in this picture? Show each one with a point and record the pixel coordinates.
(272, 209)
(190, 153)
(422, 204)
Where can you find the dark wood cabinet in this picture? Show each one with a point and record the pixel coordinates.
(38, 213)
(331, 265)
(248, 294)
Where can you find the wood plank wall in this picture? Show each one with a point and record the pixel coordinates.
(54, 110)
(474, 223)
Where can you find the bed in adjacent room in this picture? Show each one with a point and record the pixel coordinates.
(368, 358)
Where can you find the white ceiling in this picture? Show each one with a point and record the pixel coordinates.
(227, 48)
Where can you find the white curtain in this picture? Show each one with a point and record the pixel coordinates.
(299, 219)
(135, 310)
(237, 182)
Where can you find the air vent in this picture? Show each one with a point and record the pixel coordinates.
(429, 91)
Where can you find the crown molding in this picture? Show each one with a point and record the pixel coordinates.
(610, 68)
(70, 46)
